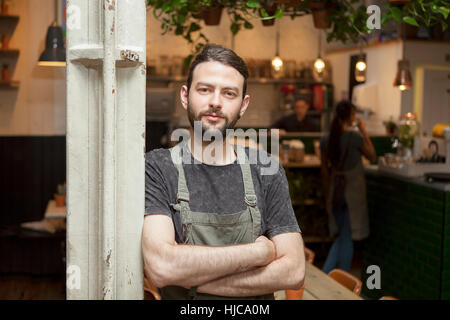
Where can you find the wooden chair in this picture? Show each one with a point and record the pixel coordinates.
(347, 280)
(387, 298)
(309, 255)
(150, 287)
(298, 294)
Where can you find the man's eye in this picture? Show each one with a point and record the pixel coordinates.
(230, 94)
(203, 90)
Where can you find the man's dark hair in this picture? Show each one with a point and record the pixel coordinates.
(214, 52)
(303, 97)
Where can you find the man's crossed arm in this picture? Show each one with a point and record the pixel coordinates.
(239, 270)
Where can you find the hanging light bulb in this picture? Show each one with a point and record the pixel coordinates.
(403, 78)
(319, 65)
(54, 54)
(360, 70)
(277, 63)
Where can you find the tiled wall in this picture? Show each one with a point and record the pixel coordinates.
(409, 239)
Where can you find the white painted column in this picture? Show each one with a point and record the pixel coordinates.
(105, 148)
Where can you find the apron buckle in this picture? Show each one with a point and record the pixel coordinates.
(250, 200)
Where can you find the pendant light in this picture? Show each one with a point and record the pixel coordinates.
(319, 64)
(277, 62)
(403, 79)
(360, 67)
(54, 54)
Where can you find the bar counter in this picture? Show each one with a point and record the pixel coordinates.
(409, 236)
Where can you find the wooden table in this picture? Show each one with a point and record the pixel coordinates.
(54, 219)
(319, 286)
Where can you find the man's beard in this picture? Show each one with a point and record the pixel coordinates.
(229, 123)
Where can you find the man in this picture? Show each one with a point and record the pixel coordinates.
(216, 229)
(298, 121)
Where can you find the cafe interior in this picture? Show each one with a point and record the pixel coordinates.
(395, 72)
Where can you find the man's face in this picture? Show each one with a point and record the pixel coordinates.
(301, 107)
(215, 97)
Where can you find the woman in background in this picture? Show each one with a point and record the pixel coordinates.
(344, 184)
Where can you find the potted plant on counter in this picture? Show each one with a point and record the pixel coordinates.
(60, 195)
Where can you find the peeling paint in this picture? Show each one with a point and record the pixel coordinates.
(108, 258)
(112, 5)
(143, 135)
(113, 91)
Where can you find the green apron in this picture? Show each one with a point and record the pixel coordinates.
(212, 229)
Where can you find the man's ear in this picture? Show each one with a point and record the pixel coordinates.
(244, 105)
(184, 95)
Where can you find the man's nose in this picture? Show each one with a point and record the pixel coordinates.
(216, 100)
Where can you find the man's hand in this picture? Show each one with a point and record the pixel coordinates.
(269, 248)
(286, 271)
(168, 263)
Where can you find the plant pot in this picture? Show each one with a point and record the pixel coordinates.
(60, 199)
(398, 2)
(321, 12)
(295, 294)
(290, 3)
(270, 11)
(407, 32)
(436, 32)
(212, 16)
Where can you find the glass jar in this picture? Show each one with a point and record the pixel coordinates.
(408, 131)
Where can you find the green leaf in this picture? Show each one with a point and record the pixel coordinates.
(235, 28)
(384, 18)
(253, 4)
(279, 14)
(166, 7)
(443, 10)
(194, 27)
(264, 13)
(411, 21)
(248, 25)
(396, 13)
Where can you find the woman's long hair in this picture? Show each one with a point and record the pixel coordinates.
(342, 114)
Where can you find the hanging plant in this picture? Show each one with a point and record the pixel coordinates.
(212, 14)
(267, 13)
(322, 10)
(345, 22)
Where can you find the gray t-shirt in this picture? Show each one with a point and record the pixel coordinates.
(352, 141)
(217, 189)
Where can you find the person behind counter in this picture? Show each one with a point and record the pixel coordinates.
(298, 121)
(344, 184)
(218, 229)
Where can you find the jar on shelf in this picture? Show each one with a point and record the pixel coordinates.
(408, 130)
(6, 74)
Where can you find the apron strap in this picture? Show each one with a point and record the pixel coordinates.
(183, 192)
(250, 195)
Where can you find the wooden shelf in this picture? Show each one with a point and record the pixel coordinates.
(9, 84)
(9, 17)
(9, 52)
(250, 80)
